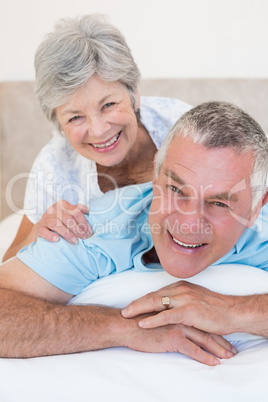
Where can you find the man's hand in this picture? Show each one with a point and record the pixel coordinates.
(198, 345)
(190, 305)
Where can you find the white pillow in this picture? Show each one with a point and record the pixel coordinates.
(119, 290)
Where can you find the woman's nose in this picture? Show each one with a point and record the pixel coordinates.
(98, 127)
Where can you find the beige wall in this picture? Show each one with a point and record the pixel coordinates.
(169, 38)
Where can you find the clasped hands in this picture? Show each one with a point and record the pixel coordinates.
(202, 315)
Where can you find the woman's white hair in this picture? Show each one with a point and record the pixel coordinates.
(219, 125)
(73, 52)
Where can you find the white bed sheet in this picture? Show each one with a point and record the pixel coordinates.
(120, 374)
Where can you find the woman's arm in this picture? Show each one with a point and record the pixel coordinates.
(22, 238)
(61, 219)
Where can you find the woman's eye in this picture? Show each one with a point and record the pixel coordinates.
(75, 118)
(109, 104)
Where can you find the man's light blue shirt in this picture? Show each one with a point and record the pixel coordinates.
(121, 237)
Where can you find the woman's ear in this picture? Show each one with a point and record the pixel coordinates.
(138, 100)
(155, 175)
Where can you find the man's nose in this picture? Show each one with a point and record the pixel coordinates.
(191, 215)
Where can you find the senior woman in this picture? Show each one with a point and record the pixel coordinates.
(106, 135)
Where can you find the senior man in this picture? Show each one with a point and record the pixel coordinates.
(207, 208)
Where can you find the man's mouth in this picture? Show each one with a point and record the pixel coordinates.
(180, 243)
(108, 143)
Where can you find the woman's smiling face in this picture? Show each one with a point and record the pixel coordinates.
(99, 121)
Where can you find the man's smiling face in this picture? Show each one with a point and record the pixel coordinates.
(201, 206)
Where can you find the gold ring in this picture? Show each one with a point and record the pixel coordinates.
(165, 301)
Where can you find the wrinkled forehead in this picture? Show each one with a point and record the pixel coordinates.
(198, 165)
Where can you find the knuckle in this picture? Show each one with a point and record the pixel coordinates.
(54, 223)
(165, 317)
(196, 352)
(81, 228)
(50, 210)
(182, 283)
(151, 297)
(207, 338)
(184, 288)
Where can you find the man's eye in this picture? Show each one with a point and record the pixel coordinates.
(220, 204)
(175, 189)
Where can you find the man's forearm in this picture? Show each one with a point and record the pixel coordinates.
(31, 327)
(251, 314)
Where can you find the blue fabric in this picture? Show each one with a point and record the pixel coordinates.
(121, 236)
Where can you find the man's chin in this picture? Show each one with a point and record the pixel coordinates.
(183, 271)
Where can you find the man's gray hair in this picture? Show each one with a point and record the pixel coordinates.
(73, 52)
(219, 125)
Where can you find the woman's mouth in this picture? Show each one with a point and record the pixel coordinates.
(109, 143)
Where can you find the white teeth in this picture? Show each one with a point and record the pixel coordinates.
(187, 245)
(107, 144)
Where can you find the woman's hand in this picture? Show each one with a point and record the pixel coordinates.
(61, 219)
(65, 220)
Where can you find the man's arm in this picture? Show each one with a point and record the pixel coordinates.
(32, 326)
(201, 308)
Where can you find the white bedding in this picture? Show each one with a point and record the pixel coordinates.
(120, 374)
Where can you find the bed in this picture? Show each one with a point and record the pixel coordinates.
(120, 374)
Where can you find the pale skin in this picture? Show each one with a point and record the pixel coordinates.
(219, 171)
(35, 321)
(96, 113)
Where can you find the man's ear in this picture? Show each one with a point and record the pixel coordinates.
(265, 197)
(256, 210)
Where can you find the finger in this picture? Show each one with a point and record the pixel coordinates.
(222, 341)
(163, 318)
(66, 206)
(153, 301)
(211, 344)
(76, 223)
(83, 208)
(74, 219)
(57, 226)
(146, 304)
(83, 228)
(195, 352)
(47, 234)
